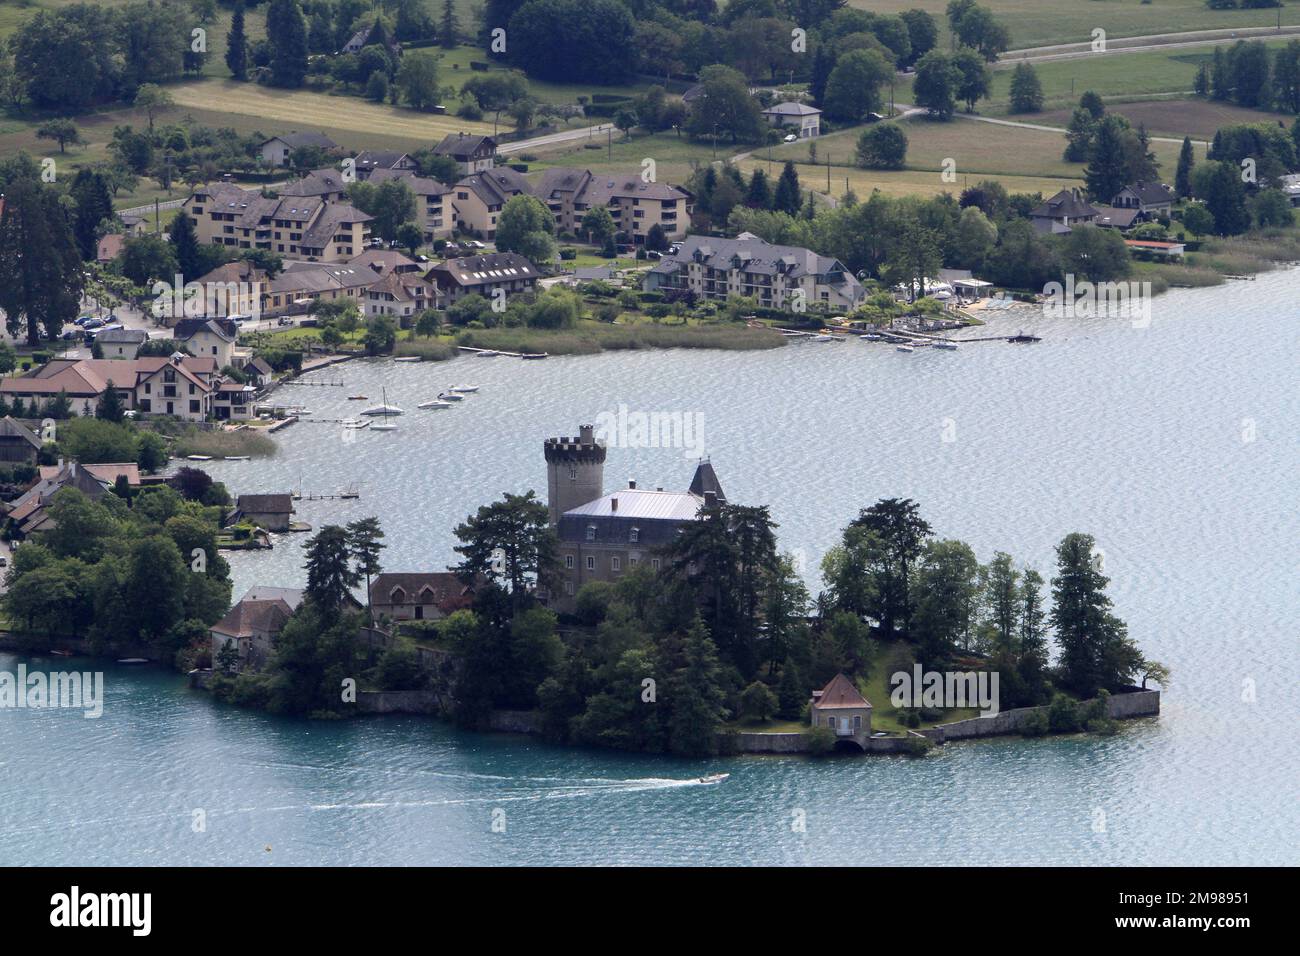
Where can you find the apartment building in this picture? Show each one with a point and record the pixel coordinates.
(778, 277)
(304, 227)
(475, 154)
(434, 211)
(479, 199)
(635, 205)
(507, 271)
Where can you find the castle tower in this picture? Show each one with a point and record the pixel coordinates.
(575, 471)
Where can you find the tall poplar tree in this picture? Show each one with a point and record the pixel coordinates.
(237, 45)
(287, 31)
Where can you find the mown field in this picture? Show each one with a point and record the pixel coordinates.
(1197, 118)
(1043, 22)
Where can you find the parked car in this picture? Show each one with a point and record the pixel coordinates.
(93, 324)
(790, 138)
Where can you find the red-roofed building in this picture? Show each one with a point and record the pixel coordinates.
(179, 385)
(841, 707)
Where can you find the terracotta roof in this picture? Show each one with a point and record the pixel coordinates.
(445, 589)
(840, 692)
(248, 617)
(483, 270)
(107, 472)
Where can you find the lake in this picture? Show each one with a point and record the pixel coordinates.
(1174, 444)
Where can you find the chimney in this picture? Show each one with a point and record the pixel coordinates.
(613, 504)
(631, 483)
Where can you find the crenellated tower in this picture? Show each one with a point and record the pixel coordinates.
(575, 471)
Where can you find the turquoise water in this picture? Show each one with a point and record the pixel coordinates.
(1175, 445)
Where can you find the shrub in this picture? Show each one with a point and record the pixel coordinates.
(1103, 726)
(820, 740)
(1035, 725)
(917, 746)
(1063, 715)
(568, 253)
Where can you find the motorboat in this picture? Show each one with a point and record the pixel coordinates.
(464, 389)
(533, 355)
(904, 348)
(450, 397)
(199, 457)
(407, 358)
(946, 345)
(715, 778)
(436, 403)
(357, 398)
(823, 338)
(488, 353)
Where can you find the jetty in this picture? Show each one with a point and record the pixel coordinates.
(488, 353)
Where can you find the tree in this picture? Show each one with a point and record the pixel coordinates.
(365, 542)
(975, 238)
(901, 532)
(1096, 651)
(185, 244)
(1183, 177)
(656, 240)
(1201, 84)
(975, 80)
(695, 695)
(153, 99)
(1095, 254)
(758, 195)
(625, 120)
(787, 199)
(853, 89)
(593, 47)
(94, 204)
(526, 226)
(380, 336)
(1251, 84)
(947, 590)
(151, 452)
(976, 27)
(1271, 207)
(1108, 166)
(1219, 186)
(935, 85)
(757, 702)
(1198, 220)
(1093, 103)
(598, 225)
(109, 408)
(922, 31)
(510, 542)
(823, 63)
(882, 146)
(40, 269)
(287, 32)
(62, 131)
(390, 202)
(1286, 77)
(725, 106)
(1026, 90)
(417, 79)
(449, 33)
(330, 574)
(237, 44)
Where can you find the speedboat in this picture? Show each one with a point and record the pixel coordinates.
(384, 426)
(904, 348)
(434, 404)
(407, 358)
(945, 344)
(488, 353)
(873, 337)
(450, 397)
(464, 389)
(715, 778)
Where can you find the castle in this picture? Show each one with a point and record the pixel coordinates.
(603, 536)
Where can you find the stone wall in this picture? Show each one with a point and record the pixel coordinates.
(400, 702)
(751, 743)
(1132, 702)
(516, 721)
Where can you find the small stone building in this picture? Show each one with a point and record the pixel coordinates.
(841, 707)
(272, 512)
(419, 596)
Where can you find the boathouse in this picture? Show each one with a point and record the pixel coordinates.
(841, 707)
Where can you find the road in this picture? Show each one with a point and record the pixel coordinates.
(552, 139)
(1142, 44)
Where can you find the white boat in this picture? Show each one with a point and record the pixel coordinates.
(236, 458)
(434, 404)
(199, 457)
(384, 410)
(383, 427)
(904, 348)
(387, 411)
(822, 338)
(715, 778)
(354, 423)
(450, 397)
(464, 389)
(945, 344)
(488, 353)
(407, 358)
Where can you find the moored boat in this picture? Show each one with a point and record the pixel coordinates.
(904, 348)
(533, 355)
(946, 345)
(450, 397)
(464, 389)
(436, 403)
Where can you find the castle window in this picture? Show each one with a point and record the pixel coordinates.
(654, 564)
(591, 562)
(568, 587)
(616, 564)
(568, 561)
(634, 535)
(573, 472)
(591, 532)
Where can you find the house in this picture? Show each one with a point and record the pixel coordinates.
(301, 285)
(209, 338)
(233, 288)
(1146, 248)
(133, 224)
(252, 625)
(258, 372)
(305, 227)
(1116, 217)
(327, 184)
(478, 199)
(802, 120)
(475, 154)
(507, 271)
(603, 536)
(401, 295)
(272, 512)
(1062, 212)
(841, 707)
(964, 284)
(109, 247)
(1151, 200)
(361, 39)
(370, 160)
(277, 150)
(423, 596)
(18, 443)
(120, 343)
(384, 261)
(1290, 186)
(29, 514)
(177, 385)
(635, 204)
(778, 277)
(434, 212)
(233, 401)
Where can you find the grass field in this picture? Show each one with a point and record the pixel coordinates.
(1197, 118)
(1043, 22)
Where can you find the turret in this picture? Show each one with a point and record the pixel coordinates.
(575, 471)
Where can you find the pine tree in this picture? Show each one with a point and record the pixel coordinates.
(1201, 85)
(787, 191)
(1107, 170)
(1026, 90)
(237, 45)
(287, 31)
(109, 408)
(94, 203)
(759, 195)
(1220, 76)
(695, 695)
(1033, 658)
(821, 74)
(185, 243)
(1183, 177)
(450, 32)
(791, 695)
(40, 268)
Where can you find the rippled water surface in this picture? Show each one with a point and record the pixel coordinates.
(1175, 445)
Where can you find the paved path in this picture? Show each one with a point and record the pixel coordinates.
(552, 139)
(1142, 44)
